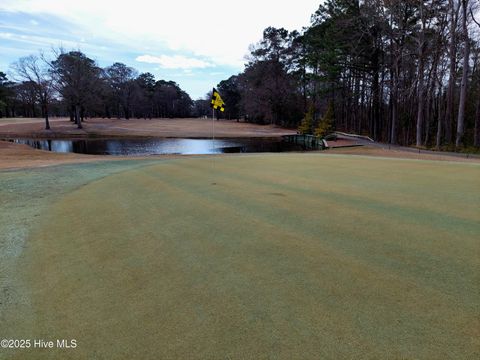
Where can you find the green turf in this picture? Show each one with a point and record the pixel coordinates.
(290, 256)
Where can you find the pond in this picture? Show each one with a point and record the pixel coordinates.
(149, 146)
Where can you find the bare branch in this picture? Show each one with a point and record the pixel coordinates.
(473, 17)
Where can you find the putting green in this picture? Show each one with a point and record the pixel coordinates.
(289, 256)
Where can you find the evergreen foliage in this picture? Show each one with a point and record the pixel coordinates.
(325, 124)
(306, 125)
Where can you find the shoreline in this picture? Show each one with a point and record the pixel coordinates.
(19, 156)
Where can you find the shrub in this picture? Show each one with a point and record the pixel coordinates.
(325, 123)
(306, 125)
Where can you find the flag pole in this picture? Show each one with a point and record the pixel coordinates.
(216, 102)
(213, 143)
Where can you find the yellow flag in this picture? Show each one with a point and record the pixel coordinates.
(217, 101)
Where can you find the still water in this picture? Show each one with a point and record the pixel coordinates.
(138, 147)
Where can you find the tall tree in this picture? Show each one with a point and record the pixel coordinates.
(77, 79)
(269, 92)
(34, 71)
(26, 97)
(171, 101)
(229, 89)
(6, 93)
(122, 81)
(143, 97)
(453, 9)
(463, 86)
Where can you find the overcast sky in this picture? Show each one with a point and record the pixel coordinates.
(195, 43)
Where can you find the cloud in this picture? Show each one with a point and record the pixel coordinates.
(174, 62)
(190, 26)
(206, 39)
(6, 35)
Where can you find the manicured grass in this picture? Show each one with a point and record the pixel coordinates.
(287, 256)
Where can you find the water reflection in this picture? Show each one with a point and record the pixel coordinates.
(137, 147)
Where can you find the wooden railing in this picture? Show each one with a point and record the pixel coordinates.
(308, 141)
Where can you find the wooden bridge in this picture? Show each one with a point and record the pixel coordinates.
(308, 141)
(333, 140)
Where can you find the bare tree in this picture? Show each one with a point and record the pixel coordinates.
(32, 69)
(454, 8)
(463, 87)
(476, 87)
(421, 68)
(473, 17)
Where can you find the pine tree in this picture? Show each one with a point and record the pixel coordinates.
(325, 124)
(306, 125)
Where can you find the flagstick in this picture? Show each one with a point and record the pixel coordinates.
(213, 142)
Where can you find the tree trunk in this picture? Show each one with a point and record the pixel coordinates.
(432, 81)
(393, 129)
(362, 106)
(45, 110)
(420, 106)
(449, 113)
(438, 142)
(420, 89)
(476, 135)
(420, 94)
(376, 99)
(77, 116)
(463, 87)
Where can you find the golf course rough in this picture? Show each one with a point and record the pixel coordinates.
(287, 256)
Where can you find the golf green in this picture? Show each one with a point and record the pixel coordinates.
(272, 256)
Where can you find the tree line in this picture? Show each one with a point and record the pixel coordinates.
(403, 72)
(74, 85)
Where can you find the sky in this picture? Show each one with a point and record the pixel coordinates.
(194, 43)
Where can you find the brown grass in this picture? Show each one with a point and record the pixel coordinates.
(23, 156)
(187, 128)
(400, 154)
